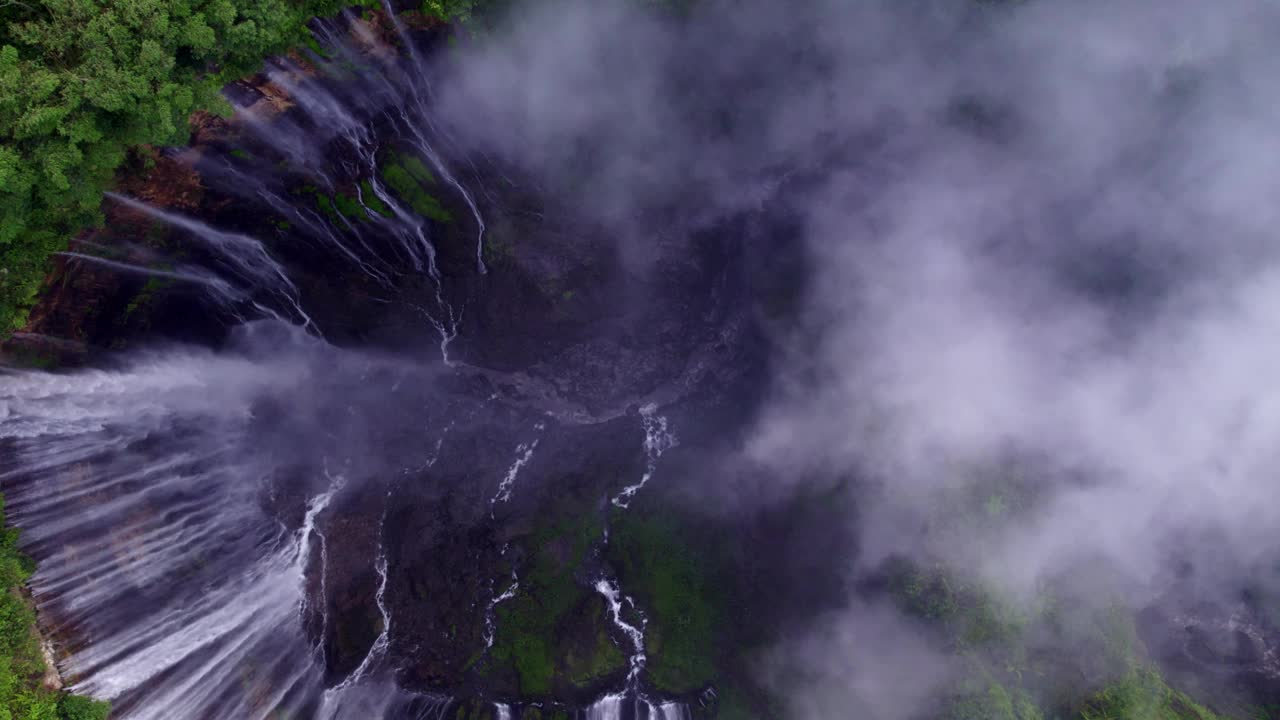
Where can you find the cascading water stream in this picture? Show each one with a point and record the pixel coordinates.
(220, 288)
(332, 700)
(334, 111)
(608, 589)
(345, 117)
(418, 93)
(244, 256)
(524, 453)
(318, 504)
(657, 440)
(616, 707)
(490, 622)
(328, 111)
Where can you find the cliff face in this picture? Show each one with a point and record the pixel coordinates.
(90, 307)
(552, 374)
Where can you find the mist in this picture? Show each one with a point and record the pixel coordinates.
(1037, 243)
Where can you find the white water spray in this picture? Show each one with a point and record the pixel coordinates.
(221, 289)
(657, 440)
(315, 506)
(490, 622)
(524, 452)
(608, 589)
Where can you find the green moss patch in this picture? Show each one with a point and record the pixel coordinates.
(339, 205)
(554, 633)
(348, 206)
(410, 180)
(417, 169)
(371, 199)
(146, 295)
(1143, 695)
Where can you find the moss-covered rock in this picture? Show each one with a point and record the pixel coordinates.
(989, 699)
(1143, 695)
(473, 709)
(553, 635)
(673, 581)
(371, 199)
(411, 181)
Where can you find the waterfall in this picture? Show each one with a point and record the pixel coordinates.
(657, 440)
(608, 707)
(608, 589)
(633, 707)
(220, 288)
(674, 711)
(134, 492)
(417, 93)
(344, 113)
(327, 109)
(611, 706)
(314, 507)
(139, 491)
(244, 257)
